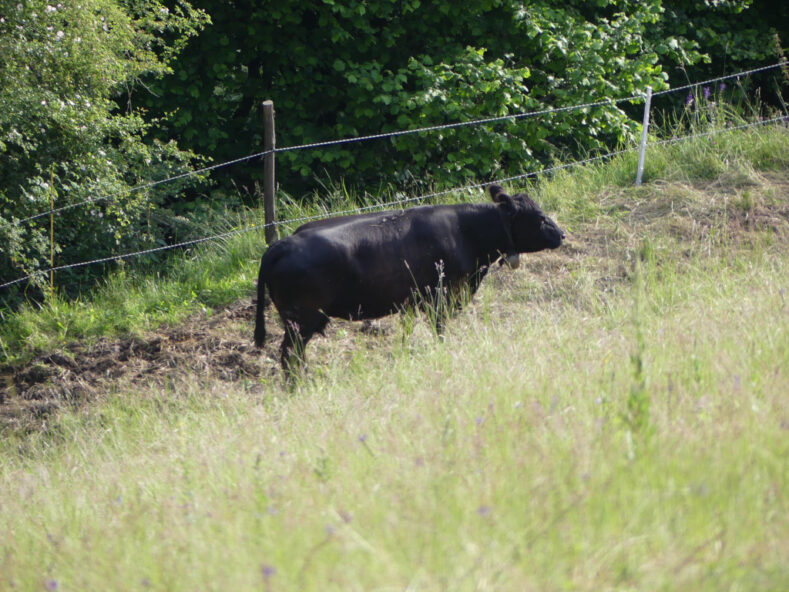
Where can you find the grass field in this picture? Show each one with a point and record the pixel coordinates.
(613, 415)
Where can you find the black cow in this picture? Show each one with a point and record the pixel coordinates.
(371, 265)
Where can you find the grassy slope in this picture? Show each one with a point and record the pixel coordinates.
(611, 416)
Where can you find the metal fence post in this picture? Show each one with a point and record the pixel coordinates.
(644, 134)
(269, 181)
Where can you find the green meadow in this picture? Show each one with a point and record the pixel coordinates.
(613, 415)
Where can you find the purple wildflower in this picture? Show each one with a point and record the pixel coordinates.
(267, 571)
(689, 99)
(722, 86)
(52, 585)
(707, 92)
(483, 510)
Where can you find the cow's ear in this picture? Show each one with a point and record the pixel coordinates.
(498, 195)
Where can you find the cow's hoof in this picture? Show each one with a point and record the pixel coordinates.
(513, 261)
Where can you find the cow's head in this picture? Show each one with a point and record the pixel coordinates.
(530, 229)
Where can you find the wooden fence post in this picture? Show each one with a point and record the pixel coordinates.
(269, 181)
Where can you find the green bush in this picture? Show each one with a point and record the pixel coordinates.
(69, 132)
(338, 69)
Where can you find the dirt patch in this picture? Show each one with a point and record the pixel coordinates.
(216, 346)
(208, 348)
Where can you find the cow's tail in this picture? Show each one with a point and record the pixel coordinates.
(260, 317)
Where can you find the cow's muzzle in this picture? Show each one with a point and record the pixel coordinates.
(552, 234)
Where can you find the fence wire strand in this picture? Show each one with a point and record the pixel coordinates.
(512, 117)
(189, 243)
(721, 78)
(391, 204)
(724, 130)
(137, 188)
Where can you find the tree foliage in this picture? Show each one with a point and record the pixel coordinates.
(731, 32)
(342, 68)
(68, 133)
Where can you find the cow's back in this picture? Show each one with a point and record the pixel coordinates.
(362, 266)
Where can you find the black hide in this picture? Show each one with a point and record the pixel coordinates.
(371, 265)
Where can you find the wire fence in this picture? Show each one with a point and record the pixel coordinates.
(401, 202)
(712, 81)
(332, 143)
(394, 134)
(144, 186)
(512, 117)
(395, 203)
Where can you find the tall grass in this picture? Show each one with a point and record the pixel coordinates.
(501, 458)
(611, 416)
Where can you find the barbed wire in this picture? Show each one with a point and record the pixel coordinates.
(461, 189)
(513, 117)
(390, 204)
(517, 116)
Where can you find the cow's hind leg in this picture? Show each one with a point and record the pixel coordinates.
(292, 348)
(297, 335)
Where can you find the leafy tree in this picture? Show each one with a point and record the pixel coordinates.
(735, 35)
(342, 68)
(68, 132)
(736, 32)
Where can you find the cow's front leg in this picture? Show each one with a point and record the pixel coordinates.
(475, 279)
(437, 303)
(454, 297)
